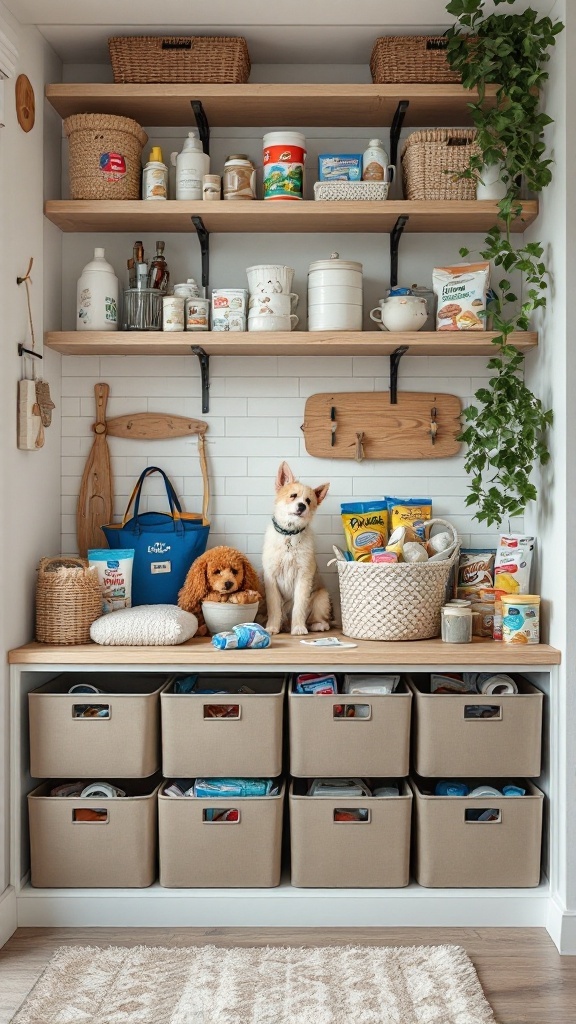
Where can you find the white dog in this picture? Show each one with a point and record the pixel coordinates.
(294, 591)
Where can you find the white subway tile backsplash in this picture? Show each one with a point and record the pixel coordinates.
(251, 426)
(251, 387)
(321, 385)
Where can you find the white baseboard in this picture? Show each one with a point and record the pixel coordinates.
(561, 926)
(8, 915)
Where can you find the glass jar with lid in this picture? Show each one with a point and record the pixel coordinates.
(239, 178)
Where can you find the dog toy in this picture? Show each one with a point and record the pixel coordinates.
(247, 634)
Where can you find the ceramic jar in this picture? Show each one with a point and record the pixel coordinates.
(335, 295)
(400, 313)
(268, 277)
(489, 184)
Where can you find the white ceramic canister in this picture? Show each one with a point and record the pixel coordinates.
(283, 158)
(269, 277)
(97, 296)
(188, 289)
(173, 313)
(326, 310)
(239, 178)
(197, 314)
(191, 166)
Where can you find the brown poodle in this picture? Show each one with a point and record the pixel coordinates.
(221, 574)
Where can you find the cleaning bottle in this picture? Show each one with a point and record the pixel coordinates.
(191, 166)
(374, 162)
(155, 177)
(97, 296)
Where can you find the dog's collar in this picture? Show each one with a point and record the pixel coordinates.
(286, 533)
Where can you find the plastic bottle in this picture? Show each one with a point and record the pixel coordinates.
(191, 166)
(374, 162)
(97, 296)
(155, 177)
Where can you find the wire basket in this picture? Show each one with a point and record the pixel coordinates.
(411, 59)
(68, 600)
(432, 161)
(396, 602)
(180, 59)
(105, 160)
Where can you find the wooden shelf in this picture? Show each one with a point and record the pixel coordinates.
(297, 343)
(288, 650)
(262, 105)
(289, 216)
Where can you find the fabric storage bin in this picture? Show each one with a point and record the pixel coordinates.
(432, 161)
(325, 745)
(246, 744)
(118, 853)
(196, 852)
(450, 740)
(125, 743)
(454, 853)
(411, 59)
(179, 59)
(350, 854)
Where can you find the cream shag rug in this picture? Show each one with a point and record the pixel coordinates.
(269, 985)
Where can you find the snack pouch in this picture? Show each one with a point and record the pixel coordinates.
(475, 571)
(365, 527)
(409, 512)
(513, 562)
(114, 569)
(461, 291)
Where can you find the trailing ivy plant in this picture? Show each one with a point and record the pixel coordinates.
(505, 431)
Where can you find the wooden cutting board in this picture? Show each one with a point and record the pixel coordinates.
(401, 431)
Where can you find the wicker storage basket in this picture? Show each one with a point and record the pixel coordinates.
(68, 600)
(393, 602)
(179, 59)
(411, 59)
(432, 160)
(345, 190)
(105, 156)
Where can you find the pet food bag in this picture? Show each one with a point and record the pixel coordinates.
(412, 513)
(513, 563)
(461, 291)
(365, 527)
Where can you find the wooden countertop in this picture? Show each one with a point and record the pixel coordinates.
(287, 650)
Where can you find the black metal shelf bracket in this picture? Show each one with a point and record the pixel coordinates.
(395, 236)
(396, 128)
(204, 360)
(202, 124)
(394, 364)
(22, 350)
(204, 239)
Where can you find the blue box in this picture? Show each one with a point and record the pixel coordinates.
(340, 167)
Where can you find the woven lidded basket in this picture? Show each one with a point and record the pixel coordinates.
(180, 59)
(432, 160)
(105, 159)
(393, 602)
(68, 600)
(411, 59)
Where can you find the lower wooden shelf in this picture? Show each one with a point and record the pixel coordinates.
(270, 343)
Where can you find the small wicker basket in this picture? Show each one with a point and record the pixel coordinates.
(105, 156)
(68, 600)
(335, 191)
(180, 59)
(411, 59)
(396, 602)
(432, 161)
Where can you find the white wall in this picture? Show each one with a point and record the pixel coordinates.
(30, 482)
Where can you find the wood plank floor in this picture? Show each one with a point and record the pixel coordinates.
(525, 979)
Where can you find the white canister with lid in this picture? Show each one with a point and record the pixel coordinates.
(173, 313)
(97, 296)
(328, 281)
(188, 289)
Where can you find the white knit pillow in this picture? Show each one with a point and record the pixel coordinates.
(148, 625)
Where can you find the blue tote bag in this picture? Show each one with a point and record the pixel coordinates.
(165, 544)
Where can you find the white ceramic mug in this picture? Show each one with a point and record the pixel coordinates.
(270, 277)
(270, 322)
(277, 305)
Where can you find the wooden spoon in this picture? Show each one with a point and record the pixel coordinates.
(95, 498)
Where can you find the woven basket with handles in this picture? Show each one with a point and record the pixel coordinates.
(105, 156)
(395, 602)
(432, 161)
(68, 600)
(180, 59)
(411, 59)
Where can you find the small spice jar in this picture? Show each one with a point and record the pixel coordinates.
(456, 624)
(239, 178)
(211, 187)
(173, 313)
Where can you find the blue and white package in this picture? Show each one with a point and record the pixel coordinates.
(340, 167)
(247, 634)
(115, 575)
(207, 788)
(225, 641)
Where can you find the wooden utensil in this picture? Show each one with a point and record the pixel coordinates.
(95, 498)
(367, 426)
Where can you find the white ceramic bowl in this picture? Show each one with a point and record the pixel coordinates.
(269, 322)
(220, 617)
(270, 275)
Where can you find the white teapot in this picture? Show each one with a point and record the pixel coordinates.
(401, 311)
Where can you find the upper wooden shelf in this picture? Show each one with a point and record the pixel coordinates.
(289, 651)
(262, 105)
(280, 216)
(295, 343)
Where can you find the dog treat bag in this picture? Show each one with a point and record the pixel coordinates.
(409, 512)
(513, 562)
(115, 575)
(475, 571)
(461, 291)
(365, 527)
